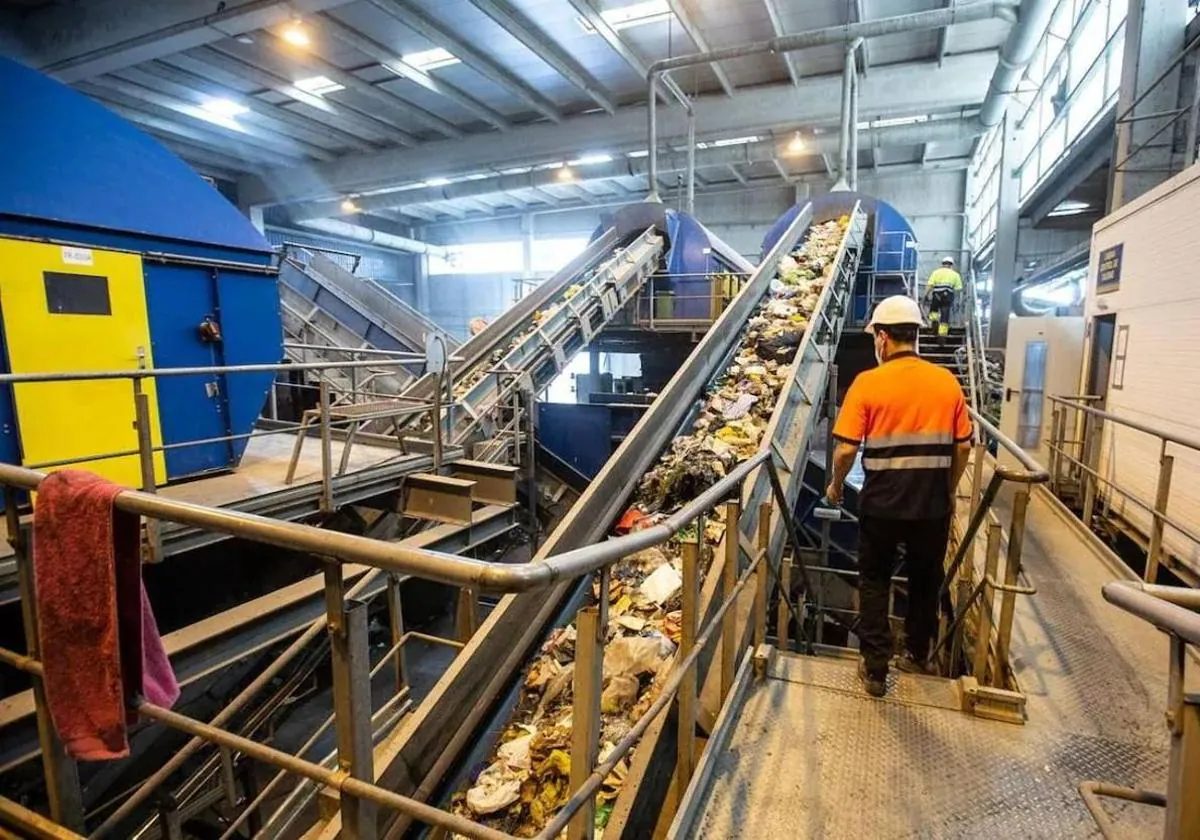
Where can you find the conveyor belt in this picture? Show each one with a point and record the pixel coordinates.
(455, 710)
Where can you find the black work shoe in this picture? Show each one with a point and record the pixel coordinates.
(911, 665)
(875, 684)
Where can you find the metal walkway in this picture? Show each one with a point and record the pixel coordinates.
(811, 754)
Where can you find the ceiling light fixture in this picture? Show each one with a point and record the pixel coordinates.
(437, 182)
(565, 174)
(633, 14)
(319, 85)
(796, 145)
(296, 34)
(224, 108)
(430, 59)
(587, 160)
(348, 206)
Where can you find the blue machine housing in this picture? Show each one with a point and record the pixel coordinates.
(888, 265)
(75, 173)
(694, 253)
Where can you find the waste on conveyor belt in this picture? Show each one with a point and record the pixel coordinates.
(527, 779)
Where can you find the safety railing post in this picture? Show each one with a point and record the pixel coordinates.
(60, 770)
(466, 619)
(763, 548)
(585, 727)
(1012, 568)
(978, 458)
(1091, 462)
(1166, 464)
(396, 620)
(686, 698)
(145, 440)
(783, 619)
(351, 666)
(729, 640)
(436, 417)
(326, 447)
(983, 639)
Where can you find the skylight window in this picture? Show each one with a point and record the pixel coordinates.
(587, 160)
(731, 141)
(430, 59)
(634, 14)
(1070, 207)
(319, 85)
(891, 121)
(225, 108)
(437, 182)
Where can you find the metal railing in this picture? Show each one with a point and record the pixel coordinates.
(1078, 461)
(659, 308)
(1173, 610)
(330, 398)
(1167, 121)
(976, 589)
(346, 621)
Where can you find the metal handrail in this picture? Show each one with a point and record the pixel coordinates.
(1169, 617)
(449, 569)
(1170, 437)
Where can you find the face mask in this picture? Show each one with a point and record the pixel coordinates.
(878, 353)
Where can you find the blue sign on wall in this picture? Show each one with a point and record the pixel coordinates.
(1108, 276)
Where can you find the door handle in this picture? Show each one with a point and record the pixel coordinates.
(1008, 393)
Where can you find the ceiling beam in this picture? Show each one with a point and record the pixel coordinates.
(737, 174)
(384, 98)
(782, 169)
(199, 88)
(538, 42)
(207, 59)
(900, 91)
(865, 48)
(392, 63)
(693, 31)
(202, 159)
(74, 42)
(815, 179)
(432, 31)
(672, 161)
(943, 48)
(251, 133)
(186, 88)
(789, 58)
(168, 124)
(636, 63)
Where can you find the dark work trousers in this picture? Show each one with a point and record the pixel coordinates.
(942, 302)
(925, 550)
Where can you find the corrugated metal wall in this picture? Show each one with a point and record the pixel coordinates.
(1158, 312)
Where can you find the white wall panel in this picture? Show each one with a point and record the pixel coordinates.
(1159, 302)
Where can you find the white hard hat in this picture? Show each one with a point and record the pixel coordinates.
(894, 311)
(947, 260)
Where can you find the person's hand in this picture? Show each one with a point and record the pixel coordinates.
(833, 493)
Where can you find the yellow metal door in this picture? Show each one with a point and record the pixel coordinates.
(71, 309)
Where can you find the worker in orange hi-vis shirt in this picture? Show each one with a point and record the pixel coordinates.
(910, 418)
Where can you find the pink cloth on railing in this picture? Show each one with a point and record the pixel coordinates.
(99, 642)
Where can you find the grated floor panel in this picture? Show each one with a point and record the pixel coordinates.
(812, 755)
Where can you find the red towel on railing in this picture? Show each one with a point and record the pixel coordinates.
(99, 643)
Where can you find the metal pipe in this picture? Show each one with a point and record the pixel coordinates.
(1168, 617)
(336, 779)
(1023, 38)
(1091, 791)
(691, 161)
(154, 373)
(843, 181)
(1073, 402)
(222, 717)
(934, 19)
(1193, 117)
(855, 83)
(370, 236)
(32, 824)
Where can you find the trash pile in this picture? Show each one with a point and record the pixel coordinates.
(528, 778)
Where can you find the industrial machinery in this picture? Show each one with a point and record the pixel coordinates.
(102, 272)
(424, 757)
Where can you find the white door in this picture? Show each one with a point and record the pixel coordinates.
(1042, 359)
